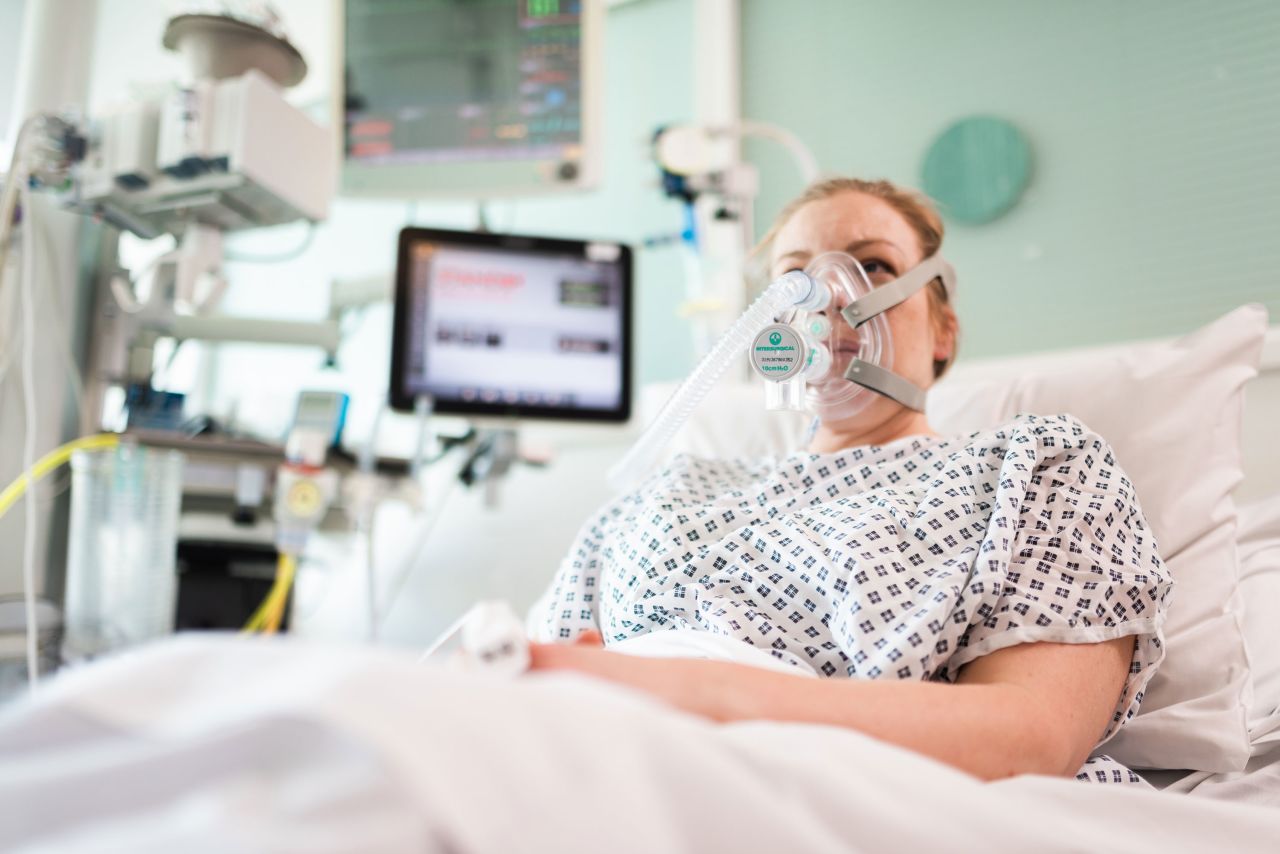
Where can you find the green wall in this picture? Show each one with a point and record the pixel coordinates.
(1154, 203)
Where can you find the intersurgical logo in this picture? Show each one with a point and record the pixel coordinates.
(775, 338)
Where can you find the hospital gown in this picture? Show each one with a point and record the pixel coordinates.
(900, 561)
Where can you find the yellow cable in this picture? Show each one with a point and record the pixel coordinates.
(275, 610)
(270, 613)
(255, 621)
(277, 616)
(51, 461)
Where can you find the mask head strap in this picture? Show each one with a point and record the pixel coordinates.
(877, 302)
(887, 383)
(887, 296)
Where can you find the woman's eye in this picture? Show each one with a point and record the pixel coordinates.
(874, 266)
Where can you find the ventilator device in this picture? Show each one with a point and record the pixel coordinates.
(819, 338)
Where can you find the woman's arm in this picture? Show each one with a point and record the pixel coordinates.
(1031, 709)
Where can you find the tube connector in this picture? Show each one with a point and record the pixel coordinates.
(811, 294)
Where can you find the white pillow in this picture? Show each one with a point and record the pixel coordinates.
(1259, 540)
(1172, 412)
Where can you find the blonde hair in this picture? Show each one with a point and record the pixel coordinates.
(913, 207)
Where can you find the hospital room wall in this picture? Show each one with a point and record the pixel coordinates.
(1155, 190)
(358, 240)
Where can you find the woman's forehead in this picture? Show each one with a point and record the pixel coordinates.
(836, 221)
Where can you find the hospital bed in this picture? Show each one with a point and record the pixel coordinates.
(241, 744)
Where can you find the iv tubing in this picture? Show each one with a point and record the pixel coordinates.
(791, 289)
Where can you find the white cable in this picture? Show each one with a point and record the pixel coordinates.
(415, 549)
(804, 159)
(445, 636)
(29, 440)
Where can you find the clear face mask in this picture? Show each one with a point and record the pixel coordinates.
(820, 340)
(833, 353)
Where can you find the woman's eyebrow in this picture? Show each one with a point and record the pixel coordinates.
(853, 247)
(794, 253)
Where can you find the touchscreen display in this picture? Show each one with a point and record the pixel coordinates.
(500, 328)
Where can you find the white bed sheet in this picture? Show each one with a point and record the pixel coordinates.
(1258, 783)
(216, 744)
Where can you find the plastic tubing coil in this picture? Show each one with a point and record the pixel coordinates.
(791, 289)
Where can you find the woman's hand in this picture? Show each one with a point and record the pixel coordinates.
(560, 656)
(585, 655)
(669, 680)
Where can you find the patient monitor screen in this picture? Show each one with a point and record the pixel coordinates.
(449, 81)
(494, 324)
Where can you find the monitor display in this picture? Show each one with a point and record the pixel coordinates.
(489, 324)
(478, 96)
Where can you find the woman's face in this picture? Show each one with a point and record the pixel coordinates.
(884, 243)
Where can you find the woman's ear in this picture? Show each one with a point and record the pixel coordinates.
(945, 332)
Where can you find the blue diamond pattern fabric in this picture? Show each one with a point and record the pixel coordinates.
(901, 561)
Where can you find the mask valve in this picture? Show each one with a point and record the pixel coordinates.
(789, 358)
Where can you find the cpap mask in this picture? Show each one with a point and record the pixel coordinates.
(830, 353)
(820, 340)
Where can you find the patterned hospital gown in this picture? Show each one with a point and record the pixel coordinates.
(901, 561)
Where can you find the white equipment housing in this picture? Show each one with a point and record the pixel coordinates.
(232, 154)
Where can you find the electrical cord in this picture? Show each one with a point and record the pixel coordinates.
(267, 618)
(50, 462)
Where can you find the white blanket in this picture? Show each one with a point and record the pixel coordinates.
(236, 744)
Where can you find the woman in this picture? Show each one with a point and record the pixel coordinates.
(993, 601)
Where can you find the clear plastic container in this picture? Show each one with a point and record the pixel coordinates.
(121, 581)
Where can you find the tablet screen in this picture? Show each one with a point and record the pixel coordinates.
(506, 325)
